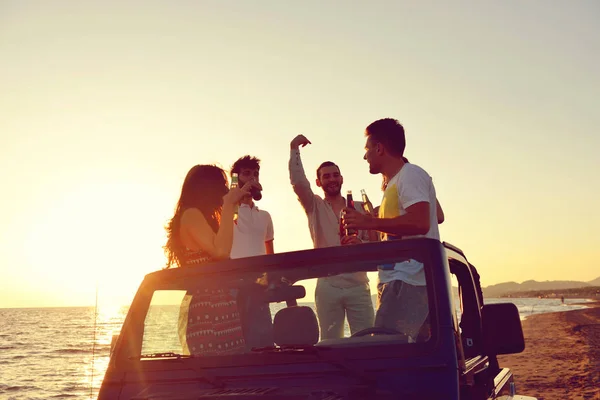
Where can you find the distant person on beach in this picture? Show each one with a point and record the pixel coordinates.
(253, 235)
(407, 210)
(342, 296)
(200, 231)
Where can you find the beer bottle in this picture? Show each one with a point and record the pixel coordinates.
(234, 184)
(367, 206)
(350, 204)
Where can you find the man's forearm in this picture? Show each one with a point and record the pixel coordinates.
(299, 182)
(297, 175)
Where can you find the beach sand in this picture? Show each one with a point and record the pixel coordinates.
(562, 356)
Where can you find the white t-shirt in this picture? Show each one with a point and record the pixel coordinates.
(411, 185)
(252, 229)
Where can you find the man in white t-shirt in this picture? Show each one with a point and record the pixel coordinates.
(253, 231)
(252, 236)
(407, 210)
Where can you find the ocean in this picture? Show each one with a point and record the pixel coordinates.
(62, 353)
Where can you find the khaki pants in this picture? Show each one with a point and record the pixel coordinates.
(333, 304)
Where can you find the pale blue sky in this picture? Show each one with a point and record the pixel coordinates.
(105, 106)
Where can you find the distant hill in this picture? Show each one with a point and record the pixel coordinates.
(595, 282)
(506, 288)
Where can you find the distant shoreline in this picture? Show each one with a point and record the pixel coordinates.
(588, 292)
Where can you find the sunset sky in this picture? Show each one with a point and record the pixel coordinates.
(105, 106)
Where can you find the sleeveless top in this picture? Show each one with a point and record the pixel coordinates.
(209, 318)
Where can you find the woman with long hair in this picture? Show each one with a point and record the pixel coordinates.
(202, 231)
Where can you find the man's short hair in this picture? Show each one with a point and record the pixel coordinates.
(390, 133)
(326, 164)
(246, 162)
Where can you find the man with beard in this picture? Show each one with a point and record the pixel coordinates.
(253, 231)
(252, 236)
(408, 210)
(345, 295)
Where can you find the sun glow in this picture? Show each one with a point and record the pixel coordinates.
(102, 115)
(97, 236)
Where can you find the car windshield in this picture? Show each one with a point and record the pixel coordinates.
(344, 302)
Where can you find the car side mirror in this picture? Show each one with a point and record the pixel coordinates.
(502, 330)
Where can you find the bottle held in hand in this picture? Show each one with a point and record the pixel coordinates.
(234, 184)
(367, 205)
(350, 204)
(256, 193)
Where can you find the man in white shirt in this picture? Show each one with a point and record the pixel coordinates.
(408, 210)
(253, 231)
(345, 295)
(252, 236)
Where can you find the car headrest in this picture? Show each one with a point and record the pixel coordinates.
(285, 293)
(295, 325)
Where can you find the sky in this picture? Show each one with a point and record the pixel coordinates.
(104, 107)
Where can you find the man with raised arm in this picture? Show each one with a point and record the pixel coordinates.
(345, 295)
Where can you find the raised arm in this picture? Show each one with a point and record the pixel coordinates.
(298, 179)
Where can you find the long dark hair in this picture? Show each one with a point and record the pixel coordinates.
(203, 188)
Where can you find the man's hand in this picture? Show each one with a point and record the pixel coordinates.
(352, 239)
(298, 141)
(357, 220)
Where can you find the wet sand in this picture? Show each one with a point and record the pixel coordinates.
(562, 356)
